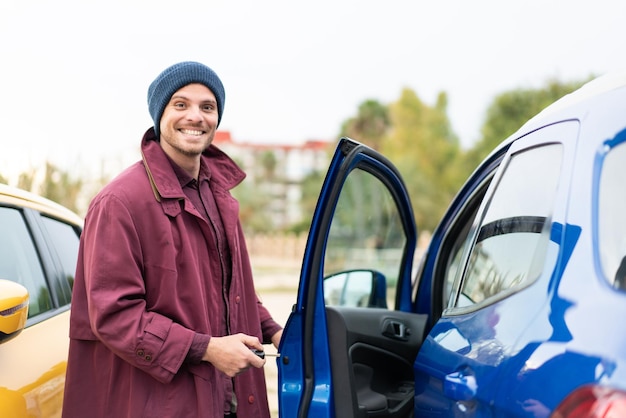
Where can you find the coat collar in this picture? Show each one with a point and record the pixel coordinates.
(225, 174)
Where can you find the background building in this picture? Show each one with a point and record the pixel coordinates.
(277, 171)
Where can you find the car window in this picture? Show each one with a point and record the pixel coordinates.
(365, 244)
(64, 242)
(610, 219)
(455, 242)
(19, 260)
(445, 260)
(510, 247)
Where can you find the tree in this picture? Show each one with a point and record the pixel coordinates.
(370, 124)
(269, 163)
(510, 110)
(311, 186)
(253, 204)
(425, 149)
(26, 180)
(56, 185)
(59, 186)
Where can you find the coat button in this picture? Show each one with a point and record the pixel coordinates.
(237, 299)
(251, 399)
(140, 353)
(148, 357)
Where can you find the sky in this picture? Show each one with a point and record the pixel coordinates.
(75, 73)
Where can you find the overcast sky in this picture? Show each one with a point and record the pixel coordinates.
(75, 74)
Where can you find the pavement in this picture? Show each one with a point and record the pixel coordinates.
(276, 283)
(279, 304)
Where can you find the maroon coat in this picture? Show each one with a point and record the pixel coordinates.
(143, 289)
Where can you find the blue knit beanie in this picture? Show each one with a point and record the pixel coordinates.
(176, 77)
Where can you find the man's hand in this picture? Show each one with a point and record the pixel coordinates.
(232, 355)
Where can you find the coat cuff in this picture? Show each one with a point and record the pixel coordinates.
(198, 348)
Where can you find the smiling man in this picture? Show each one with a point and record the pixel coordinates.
(164, 311)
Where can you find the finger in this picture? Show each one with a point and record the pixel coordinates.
(258, 353)
(257, 362)
(252, 342)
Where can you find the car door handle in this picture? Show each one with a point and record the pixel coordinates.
(460, 385)
(396, 330)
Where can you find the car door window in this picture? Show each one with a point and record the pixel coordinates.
(365, 244)
(64, 242)
(456, 240)
(19, 260)
(510, 246)
(610, 219)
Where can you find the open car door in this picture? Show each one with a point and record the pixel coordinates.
(349, 345)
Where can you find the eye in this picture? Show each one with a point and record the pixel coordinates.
(179, 105)
(208, 107)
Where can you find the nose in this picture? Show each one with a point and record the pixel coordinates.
(194, 113)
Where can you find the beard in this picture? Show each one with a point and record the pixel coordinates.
(188, 149)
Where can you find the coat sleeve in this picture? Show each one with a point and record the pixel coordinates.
(115, 287)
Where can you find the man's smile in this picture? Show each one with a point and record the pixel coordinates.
(191, 132)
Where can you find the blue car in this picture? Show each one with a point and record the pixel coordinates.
(513, 310)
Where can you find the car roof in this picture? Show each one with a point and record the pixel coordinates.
(14, 196)
(567, 107)
(589, 90)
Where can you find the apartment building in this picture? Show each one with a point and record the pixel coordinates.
(278, 170)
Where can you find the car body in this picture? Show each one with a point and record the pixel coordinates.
(513, 310)
(38, 253)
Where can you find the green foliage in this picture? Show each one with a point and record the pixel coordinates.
(510, 110)
(311, 186)
(59, 186)
(418, 138)
(423, 146)
(253, 204)
(369, 125)
(269, 163)
(420, 141)
(26, 179)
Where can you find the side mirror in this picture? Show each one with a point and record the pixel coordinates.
(13, 309)
(356, 288)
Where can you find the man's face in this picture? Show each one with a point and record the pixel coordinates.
(189, 122)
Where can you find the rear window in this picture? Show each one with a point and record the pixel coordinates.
(611, 215)
(513, 237)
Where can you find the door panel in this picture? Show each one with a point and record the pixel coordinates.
(502, 280)
(359, 253)
(372, 351)
(32, 384)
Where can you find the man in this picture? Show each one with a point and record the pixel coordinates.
(164, 312)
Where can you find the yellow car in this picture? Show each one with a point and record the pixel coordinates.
(38, 252)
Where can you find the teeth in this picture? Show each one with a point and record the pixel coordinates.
(191, 132)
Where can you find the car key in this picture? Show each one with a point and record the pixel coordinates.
(262, 353)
